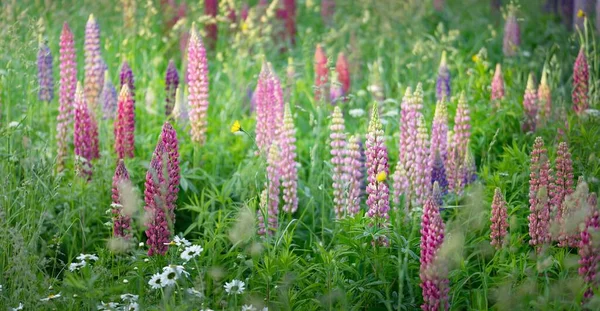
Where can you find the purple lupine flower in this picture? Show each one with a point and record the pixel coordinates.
(589, 249)
(498, 85)
(433, 274)
(121, 221)
(93, 62)
(197, 76)
(439, 133)
(438, 173)
(512, 33)
(581, 77)
(544, 97)
(562, 185)
(155, 198)
(338, 154)
(459, 146)
(108, 98)
(171, 85)
(168, 136)
(574, 207)
(377, 169)
(442, 85)
(126, 77)
(354, 173)
(270, 196)
(288, 165)
(539, 205)
(68, 83)
(498, 229)
(124, 126)
(83, 134)
(45, 79)
(530, 105)
(420, 171)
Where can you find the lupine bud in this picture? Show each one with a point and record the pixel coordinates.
(438, 173)
(68, 83)
(539, 205)
(45, 79)
(121, 221)
(433, 274)
(269, 108)
(276, 106)
(124, 126)
(168, 136)
(108, 98)
(211, 9)
(580, 83)
(338, 153)
(377, 166)
(353, 170)
(562, 184)
(498, 229)
(197, 75)
(83, 135)
(512, 33)
(573, 216)
(272, 192)
(321, 74)
(498, 85)
(155, 198)
(420, 172)
(288, 165)
(589, 249)
(530, 105)
(171, 85)
(375, 86)
(126, 77)
(93, 62)
(442, 86)
(343, 73)
(544, 97)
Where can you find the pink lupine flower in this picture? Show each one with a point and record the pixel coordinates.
(420, 171)
(171, 85)
(269, 108)
(581, 78)
(530, 105)
(539, 205)
(442, 85)
(168, 136)
(68, 83)
(458, 149)
(408, 129)
(45, 78)
(121, 221)
(276, 105)
(288, 165)
(126, 77)
(589, 249)
(197, 74)
(512, 33)
(94, 72)
(271, 193)
(83, 135)
(211, 9)
(343, 73)
(498, 85)
(562, 184)
(338, 154)
(124, 126)
(377, 170)
(433, 274)
(108, 98)
(321, 74)
(439, 132)
(573, 215)
(155, 198)
(353, 169)
(498, 229)
(544, 97)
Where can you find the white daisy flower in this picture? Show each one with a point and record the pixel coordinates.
(134, 306)
(235, 287)
(18, 308)
(191, 252)
(156, 281)
(169, 276)
(77, 265)
(50, 297)
(194, 292)
(178, 268)
(107, 306)
(181, 241)
(248, 308)
(83, 257)
(129, 297)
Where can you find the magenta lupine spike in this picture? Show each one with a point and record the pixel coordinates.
(272, 190)
(562, 184)
(93, 62)
(581, 78)
(126, 77)
(108, 98)
(168, 136)
(530, 106)
(121, 221)
(571, 222)
(401, 184)
(68, 83)
(539, 205)
(459, 146)
(171, 85)
(544, 97)
(288, 165)
(124, 126)
(442, 85)
(420, 171)
(498, 229)
(353, 168)
(197, 75)
(433, 274)
(498, 85)
(45, 78)
(338, 153)
(439, 132)
(377, 169)
(512, 33)
(589, 249)
(321, 74)
(83, 135)
(155, 198)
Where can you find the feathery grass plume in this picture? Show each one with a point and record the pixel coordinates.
(498, 85)
(581, 78)
(321, 74)
(401, 185)
(438, 173)
(573, 215)
(442, 85)
(544, 97)
(354, 172)
(121, 221)
(498, 229)
(126, 77)
(108, 98)
(155, 198)
(377, 170)
(288, 165)
(93, 62)
(562, 185)
(530, 105)
(420, 171)
(171, 85)
(197, 75)
(343, 73)
(124, 126)
(512, 33)
(211, 9)
(270, 196)
(327, 10)
(539, 205)
(68, 83)
(338, 154)
(45, 79)
(433, 274)
(439, 132)
(168, 136)
(83, 135)
(589, 249)
(458, 148)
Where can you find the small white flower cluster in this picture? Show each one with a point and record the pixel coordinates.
(83, 260)
(129, 303)
(168, 277)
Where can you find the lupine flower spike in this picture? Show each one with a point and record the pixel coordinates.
(168, 136)
(93, 62)
(498, 85)
(171, 85)
(530, 105)
(288, 165)
(126, 77)
(343, 73)
(45, 78)
(413, 151)
(158, 221)
(377, 169)
(421, 170)
(458, 147)
(544, 97)
(512, 33)
(572, 219)
(121, 221)
(539, 205)
(68, 83)
(124, 126)
(321, 74)
(353, 168)
(338, 154)
(562, 185)
(469, 169)
(270, 196)
(498, 229)
(442, 86)
(83, 135)
(438, 173)
(108, 98)
(408, 129)
(580, 83)
(433, 274)
(262, 97)
(197, 76)
(439, 132)
(589, 249)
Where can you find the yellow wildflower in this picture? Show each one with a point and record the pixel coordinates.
(381, 176)
(475, 58)
(236, 127)
(580, 13)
